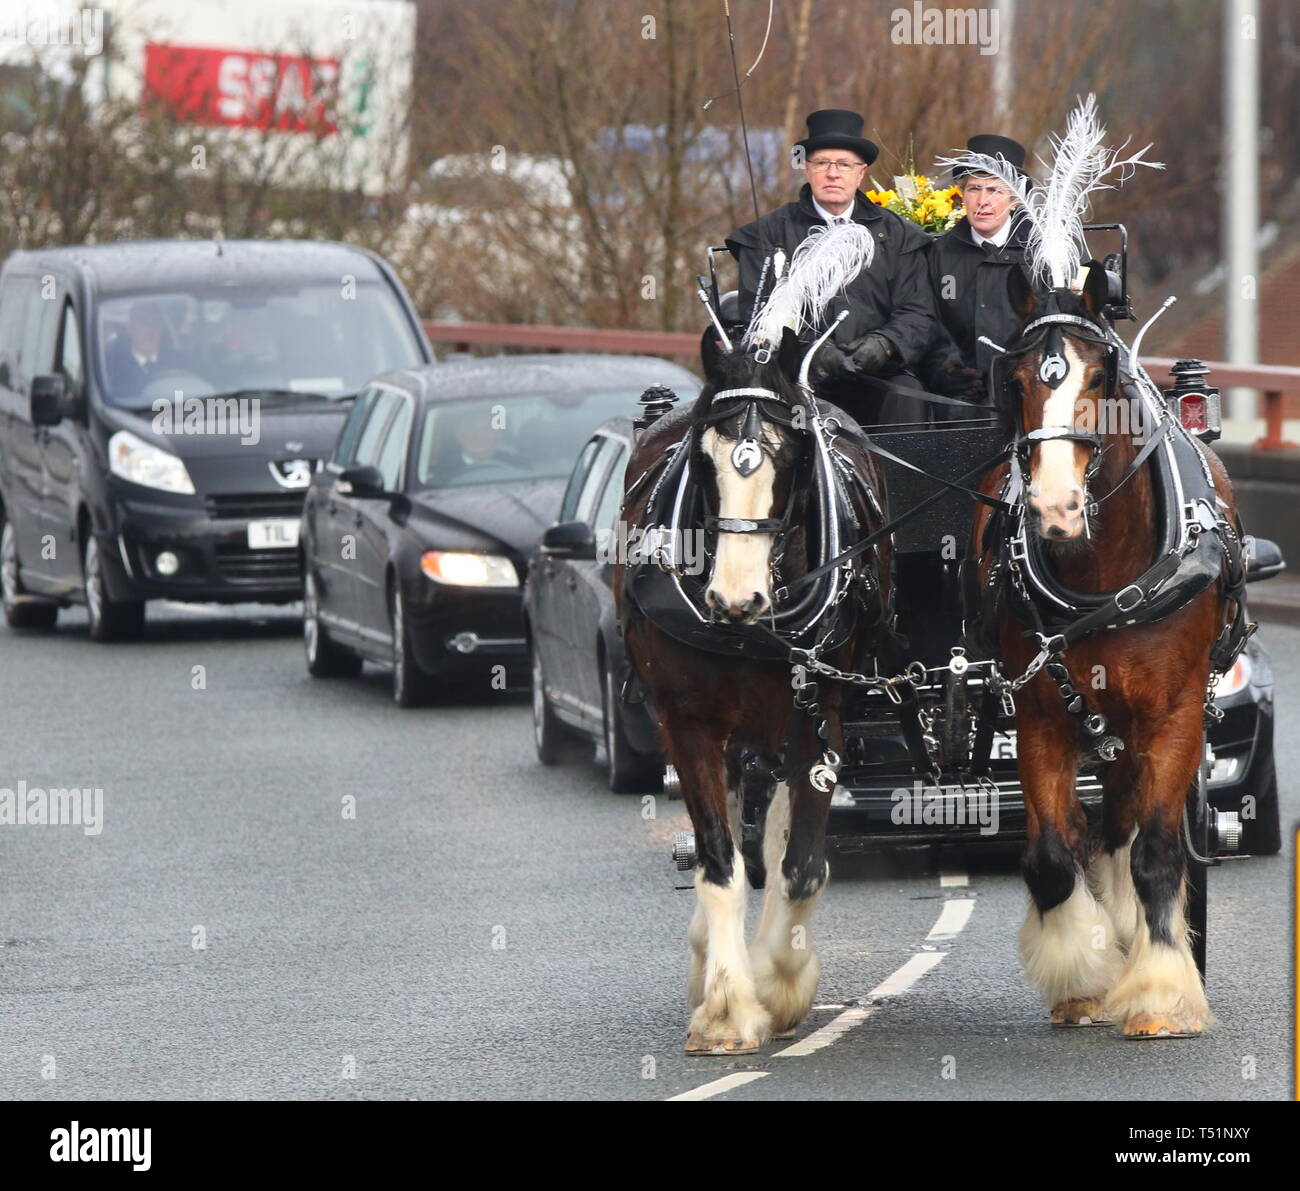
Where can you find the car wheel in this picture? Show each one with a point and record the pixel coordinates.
(629, 772)
(325, 657)
(1262, 835)
(411, 685)
(20, 613)
(554, 739)
(110, 620)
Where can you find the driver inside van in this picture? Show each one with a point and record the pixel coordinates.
(137, 354)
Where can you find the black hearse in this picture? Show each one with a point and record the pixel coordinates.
(418, 532)
(163, 405)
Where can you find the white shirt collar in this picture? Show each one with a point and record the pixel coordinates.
(829, 218)
(998, 238)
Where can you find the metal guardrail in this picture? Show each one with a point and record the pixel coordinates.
(1272, 380)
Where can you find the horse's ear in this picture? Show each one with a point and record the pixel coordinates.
(790, 357)
(711, 355)
(1020, 293)
(1095, 289)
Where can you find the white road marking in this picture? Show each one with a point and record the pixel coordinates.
(737, 1080)
(831, 1032)
(953, 880)
(954, 916)
(956, 913)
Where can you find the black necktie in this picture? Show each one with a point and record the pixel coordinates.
(990, 249)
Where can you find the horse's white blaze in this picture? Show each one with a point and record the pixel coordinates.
(1071, 952)
(1057, 480)
(1162, 980)
(741, 568)
(1112, 874)
(728, 1005)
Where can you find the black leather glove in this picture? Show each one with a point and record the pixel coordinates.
(871, 354)
(956, 380)
(830, 363)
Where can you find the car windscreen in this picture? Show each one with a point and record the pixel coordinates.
(317, 340)
(495, 440)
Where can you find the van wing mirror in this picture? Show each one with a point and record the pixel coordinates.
(49, 399)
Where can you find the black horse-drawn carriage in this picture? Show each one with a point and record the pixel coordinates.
(923, 594)
(1072, 565)
(967, 787)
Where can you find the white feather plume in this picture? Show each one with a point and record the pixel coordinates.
(826, 261)
(1055, 246)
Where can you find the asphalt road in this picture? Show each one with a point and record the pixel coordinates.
(405, 905)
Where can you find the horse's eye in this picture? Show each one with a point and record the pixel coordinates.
(1096, 381)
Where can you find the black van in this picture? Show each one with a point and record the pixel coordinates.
(163, 405)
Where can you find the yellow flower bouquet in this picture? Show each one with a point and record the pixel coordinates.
(915, 198)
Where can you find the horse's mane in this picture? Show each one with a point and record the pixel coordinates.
(1055, 247)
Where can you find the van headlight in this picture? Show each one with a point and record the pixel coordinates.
(460, 569)
(142, 463)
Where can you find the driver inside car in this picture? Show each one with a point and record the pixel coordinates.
(476, 442)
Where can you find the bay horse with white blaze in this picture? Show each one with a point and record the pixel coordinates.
(760, 451)
(1106, 937)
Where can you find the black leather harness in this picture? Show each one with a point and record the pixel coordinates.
(824, 612)
(1197, 545)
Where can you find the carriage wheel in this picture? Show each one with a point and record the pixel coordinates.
(1198, 825)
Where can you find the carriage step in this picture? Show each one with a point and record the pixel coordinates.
(684, 850)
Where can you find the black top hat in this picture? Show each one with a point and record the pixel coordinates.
(835, 128)
(993, 146)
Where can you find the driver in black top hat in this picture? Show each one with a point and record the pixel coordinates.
(891, 322)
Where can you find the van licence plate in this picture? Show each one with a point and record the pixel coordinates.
(280, 534)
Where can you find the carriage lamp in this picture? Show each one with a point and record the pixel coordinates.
(462, 569)
(656, 401)
(167, 564)
(1196, 403)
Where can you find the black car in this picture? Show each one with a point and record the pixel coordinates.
(417, 533)
(163, 405)
(580, 669)
(578, 664)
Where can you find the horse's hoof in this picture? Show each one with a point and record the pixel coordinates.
(1154, 1025)
(701, 1044)
(781, 1035)
(1082, 1011)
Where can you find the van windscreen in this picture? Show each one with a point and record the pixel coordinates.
(316, 340)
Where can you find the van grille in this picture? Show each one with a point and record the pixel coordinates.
(249, 506)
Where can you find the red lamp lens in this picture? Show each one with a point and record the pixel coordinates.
(1193, 412)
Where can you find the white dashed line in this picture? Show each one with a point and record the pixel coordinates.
(956, 913)
(954, 916)
(718, 1086)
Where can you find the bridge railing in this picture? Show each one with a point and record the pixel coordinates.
(1272, 380)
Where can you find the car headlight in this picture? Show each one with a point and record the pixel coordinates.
(459, 569)
(1234, 680)
(142, 463)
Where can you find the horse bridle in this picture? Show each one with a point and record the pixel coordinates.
(759, 404)
(1047, 332)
